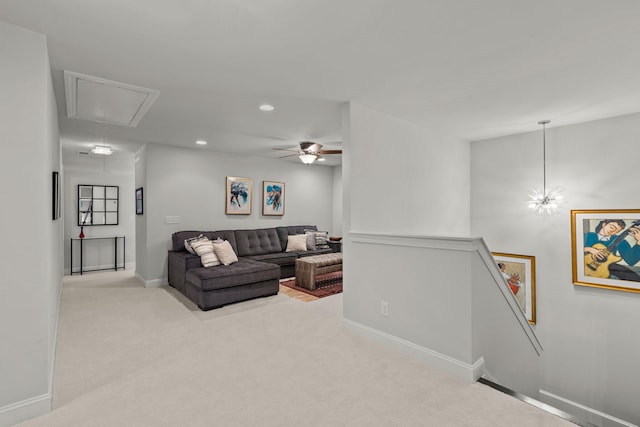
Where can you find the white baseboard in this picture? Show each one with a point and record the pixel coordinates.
(151, 283)
(455, 367)
(581, 411)
(105, 267)
(25, 410)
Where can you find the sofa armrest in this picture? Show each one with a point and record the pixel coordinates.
(178, 264)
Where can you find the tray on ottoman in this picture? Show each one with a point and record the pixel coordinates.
(308, 268)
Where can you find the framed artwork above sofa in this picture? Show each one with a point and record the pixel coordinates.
(238, 196)
(272, 198)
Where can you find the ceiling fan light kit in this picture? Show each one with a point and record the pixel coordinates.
(307, 158)
(309, 152)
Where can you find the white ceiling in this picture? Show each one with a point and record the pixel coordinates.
(474, 69)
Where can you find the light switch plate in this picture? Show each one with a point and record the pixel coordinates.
(172, 220)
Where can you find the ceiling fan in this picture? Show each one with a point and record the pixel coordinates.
(309, 152)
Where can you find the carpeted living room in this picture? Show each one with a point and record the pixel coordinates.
(136, 356)
(411, 140)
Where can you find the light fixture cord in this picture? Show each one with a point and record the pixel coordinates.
(544, 160)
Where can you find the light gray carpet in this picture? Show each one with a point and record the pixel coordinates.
(134, 356)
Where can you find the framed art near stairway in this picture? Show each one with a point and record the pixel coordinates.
(519, 271)
(272, 198)
(238, 196)
(605, 248)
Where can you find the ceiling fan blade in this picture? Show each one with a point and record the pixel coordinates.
(330, 152)
(286, 149)
(289, 155)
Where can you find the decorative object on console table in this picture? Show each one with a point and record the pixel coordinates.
(272, 198)
(238, 196)
(335, 243)
(605, 249)
(139, 201)
(86, 215)
(519, 271)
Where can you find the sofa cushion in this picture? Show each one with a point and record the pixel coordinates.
(188, 242)
(317, 239)
(224, 252)
(285, 232)
(280, 258)
(178, 238)
(257, 242)
(296, 242)
(205, 249)
(243, 272)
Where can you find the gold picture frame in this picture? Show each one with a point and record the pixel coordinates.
(519, 272)
(238, 196)
(605, 249)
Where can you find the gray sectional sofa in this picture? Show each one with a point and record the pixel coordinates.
(262, 261)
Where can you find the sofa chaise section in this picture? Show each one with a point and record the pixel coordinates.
(214, 287)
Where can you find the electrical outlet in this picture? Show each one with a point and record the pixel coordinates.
(384, 308)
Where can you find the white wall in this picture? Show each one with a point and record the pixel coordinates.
(141, 223)
(190, 184)
(400, 179)
(589, 335)
(116, 170)
(31, 261)
(404, 178)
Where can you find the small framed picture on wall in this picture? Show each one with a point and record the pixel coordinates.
(519, 271)
(238, 196)
(139, 201)
(272, 198)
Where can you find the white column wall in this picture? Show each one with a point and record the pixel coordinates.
(31, 261)
(401, 179)
(589, 335)
(406, 179)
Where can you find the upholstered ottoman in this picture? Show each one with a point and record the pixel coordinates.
(308, 268)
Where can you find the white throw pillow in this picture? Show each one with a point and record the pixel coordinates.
(296, 242)
(188, 242)
(225, 252)
(204, 248)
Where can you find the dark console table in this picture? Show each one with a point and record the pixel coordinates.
(115, 252)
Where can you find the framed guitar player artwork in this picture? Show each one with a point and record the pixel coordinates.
(605, 248)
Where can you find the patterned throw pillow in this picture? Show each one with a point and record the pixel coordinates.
(322, 237)
(311, 240)
(204, 248)
(187, 243)
(296, 242)
(225, 252)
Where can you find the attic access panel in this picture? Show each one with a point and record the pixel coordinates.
(106, 101)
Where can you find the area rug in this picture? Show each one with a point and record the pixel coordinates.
(326, 284)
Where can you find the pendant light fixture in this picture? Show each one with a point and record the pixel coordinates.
(545, 202)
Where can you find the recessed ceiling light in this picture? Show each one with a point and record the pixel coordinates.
(266, 107)
(102, 149)
(201, 142)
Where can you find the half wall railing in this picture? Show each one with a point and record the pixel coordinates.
(444, 300)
